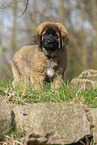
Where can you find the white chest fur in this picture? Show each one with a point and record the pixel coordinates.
(52, 64)
(50, 72)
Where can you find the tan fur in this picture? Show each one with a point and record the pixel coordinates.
(30, 63)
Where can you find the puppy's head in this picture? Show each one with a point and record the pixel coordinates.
(51, 36)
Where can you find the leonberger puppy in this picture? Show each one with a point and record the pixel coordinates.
(46, 60)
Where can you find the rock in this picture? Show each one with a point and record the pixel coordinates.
(92, 116)
(5, 117)
(87, 79)
(54, 123)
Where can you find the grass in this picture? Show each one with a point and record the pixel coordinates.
(47, 94)
(15, 95)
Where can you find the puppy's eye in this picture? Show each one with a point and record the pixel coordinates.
(45, 34)
(56, 36)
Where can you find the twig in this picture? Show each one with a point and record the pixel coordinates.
(87, 140)
(25, 8)
(12, 4)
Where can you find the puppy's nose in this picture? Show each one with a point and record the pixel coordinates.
(49, 41)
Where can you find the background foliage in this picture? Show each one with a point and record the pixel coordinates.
(18, 28)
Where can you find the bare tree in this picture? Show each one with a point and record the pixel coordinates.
(14, 33)
(83, 38)
(94, 21)
(61, 11)
(79, 17)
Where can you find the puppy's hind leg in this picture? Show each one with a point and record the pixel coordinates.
(16, 73)
(20, 79)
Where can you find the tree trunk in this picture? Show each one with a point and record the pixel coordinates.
(61, 11)
(94, 20)
(14, 34)
(83, 41)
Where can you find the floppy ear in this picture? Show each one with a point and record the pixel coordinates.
(64, 34)
(38, 36)
(37, 39)
(65, 40)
